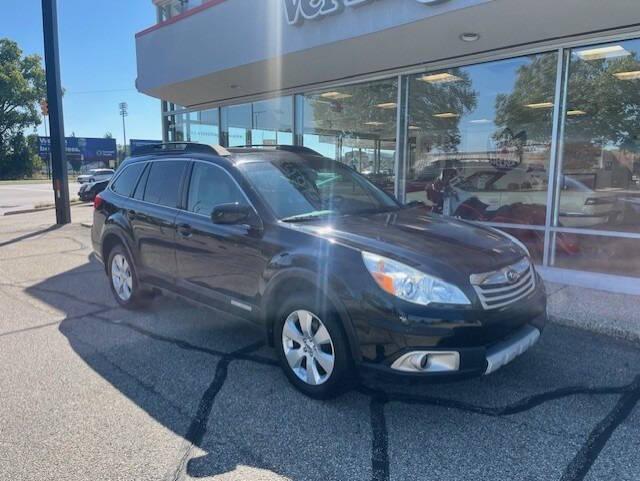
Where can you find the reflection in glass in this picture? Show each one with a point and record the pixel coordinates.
(480, 141)
(268, 122)
(611, 255)
(600, 181)
(356, 125)
(201, 126)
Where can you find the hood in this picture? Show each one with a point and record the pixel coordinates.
(421, 239)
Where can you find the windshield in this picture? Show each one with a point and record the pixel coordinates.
(314, 187)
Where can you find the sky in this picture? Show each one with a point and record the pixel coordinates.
(98, 62)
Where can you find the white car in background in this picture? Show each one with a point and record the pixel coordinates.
(96, 175)
(580, 206)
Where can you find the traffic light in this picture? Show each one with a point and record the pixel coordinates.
(44, 107)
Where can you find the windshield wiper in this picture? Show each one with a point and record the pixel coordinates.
(307, 216)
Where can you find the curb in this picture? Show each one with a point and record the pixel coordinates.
(39, 209)
(629, 335)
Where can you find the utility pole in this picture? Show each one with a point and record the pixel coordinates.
(124, 112)
(56, 119)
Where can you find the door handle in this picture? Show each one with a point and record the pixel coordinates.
(184, 230)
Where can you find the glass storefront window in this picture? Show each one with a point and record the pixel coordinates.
(611, 255)
(268, 122)
(356, 125)
(479, 145)
(201, 126)
(600, 175)
(480, 140)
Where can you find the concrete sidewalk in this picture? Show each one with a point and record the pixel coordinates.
(599, 311)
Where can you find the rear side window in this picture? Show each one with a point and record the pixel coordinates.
(163, 183)
(126, 182)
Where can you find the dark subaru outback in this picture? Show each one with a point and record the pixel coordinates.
(340, 275)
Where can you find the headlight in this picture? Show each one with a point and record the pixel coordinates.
(410, 284)
(513, 239)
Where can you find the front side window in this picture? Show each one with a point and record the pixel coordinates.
(315, 187)
(126, 182)
(209, 187)
(163, 183)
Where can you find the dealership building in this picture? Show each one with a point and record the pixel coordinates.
(521, 115)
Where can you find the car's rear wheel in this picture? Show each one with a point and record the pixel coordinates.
(312, 348)
(124, 280)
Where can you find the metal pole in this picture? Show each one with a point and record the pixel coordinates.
(124, 112)
(56, 120)
(124, 134)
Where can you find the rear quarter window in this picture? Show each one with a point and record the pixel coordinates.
(127, 180)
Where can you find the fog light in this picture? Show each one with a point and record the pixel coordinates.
(419, 361)
(428, 361)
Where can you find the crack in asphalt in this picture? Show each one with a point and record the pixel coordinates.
(600, 435)
(579, 465)
(575, 471)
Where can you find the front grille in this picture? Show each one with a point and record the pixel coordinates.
(505, 286)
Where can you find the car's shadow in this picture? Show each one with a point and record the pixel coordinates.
(209, 378)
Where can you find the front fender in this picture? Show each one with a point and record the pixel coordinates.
(329, 288)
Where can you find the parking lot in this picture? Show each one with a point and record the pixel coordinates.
(91, 391)
(16, 196)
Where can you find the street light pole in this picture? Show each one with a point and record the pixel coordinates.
(56, 120)
(124, 112)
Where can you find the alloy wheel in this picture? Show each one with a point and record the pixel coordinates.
(121, 277)
(308, 347)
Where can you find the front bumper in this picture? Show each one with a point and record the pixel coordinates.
(473, 362)
(476, 343)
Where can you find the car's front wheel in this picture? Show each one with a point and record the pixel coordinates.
(124, 281)
(312, 348)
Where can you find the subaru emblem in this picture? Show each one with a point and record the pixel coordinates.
(512, 276)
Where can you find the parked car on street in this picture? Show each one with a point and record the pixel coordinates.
(95, 175)
(89, 190)
(340, 275)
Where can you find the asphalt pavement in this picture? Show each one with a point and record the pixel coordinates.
(91, 391)
(23, 196)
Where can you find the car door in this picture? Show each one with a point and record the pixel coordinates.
(152, 215)
(223, 263)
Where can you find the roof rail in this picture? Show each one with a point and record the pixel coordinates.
(180, 147)
(299, 149)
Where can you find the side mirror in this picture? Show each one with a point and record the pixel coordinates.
(231, 214)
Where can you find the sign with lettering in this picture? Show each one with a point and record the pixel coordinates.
(297, 11)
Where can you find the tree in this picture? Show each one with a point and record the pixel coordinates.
(108, 135)
(17, 161)
(22, 86)
(534, 86)
(431, 102)
(603, 107)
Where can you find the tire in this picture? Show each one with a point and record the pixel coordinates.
(319, 365)
(123, 280)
